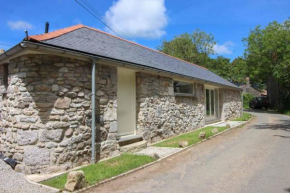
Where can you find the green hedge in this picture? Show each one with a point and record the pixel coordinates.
(246, 99)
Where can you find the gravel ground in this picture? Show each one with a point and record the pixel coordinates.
(161, 151)
(166, 151)
(231, 123)
(13, 182)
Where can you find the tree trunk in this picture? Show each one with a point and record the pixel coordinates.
(273, 93)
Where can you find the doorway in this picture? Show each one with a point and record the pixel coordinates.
(210, 104)
(126, 110)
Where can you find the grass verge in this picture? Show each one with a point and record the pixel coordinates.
(245, 117)
(191, 137)
(285, 111)
(103, 170)
(246, 107)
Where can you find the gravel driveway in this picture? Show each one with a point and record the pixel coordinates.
(251, 159)
(13, 182)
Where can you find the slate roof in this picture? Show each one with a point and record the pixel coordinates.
(93, 41)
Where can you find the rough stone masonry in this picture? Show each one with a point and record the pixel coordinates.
(161, 114)
(46, 111)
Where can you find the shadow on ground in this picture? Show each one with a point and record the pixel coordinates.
(283, 125)
(262, 111)
(282, 136)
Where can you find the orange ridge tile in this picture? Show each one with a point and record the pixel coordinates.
(54, 34)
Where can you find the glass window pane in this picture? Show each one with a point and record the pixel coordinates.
(183, 87)
(212, 102)
(207, 102)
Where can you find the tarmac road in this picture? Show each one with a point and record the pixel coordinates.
(252, 159)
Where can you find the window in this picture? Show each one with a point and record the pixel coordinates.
(3, 78)
(183, 87)
(5, 75)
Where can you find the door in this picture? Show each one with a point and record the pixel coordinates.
(126, 110)
(210, 104)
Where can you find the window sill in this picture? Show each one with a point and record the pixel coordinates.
(184, 95)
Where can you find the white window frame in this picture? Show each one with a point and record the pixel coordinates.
(192, 93)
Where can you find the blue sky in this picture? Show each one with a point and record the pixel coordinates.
(147, 22)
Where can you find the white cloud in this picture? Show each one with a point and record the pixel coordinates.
(77, 21)
(225, 48)
(138, 19)
(19, 25)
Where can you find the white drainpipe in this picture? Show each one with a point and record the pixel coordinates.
(242, 103)
(93, 98)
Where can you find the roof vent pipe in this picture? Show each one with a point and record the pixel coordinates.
(26, 34)
(46, 27)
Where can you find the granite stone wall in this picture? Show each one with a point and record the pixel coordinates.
(46, 113)
(230, 104)
(161, 114)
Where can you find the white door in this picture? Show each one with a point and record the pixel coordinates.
(210, 104)
(126, 110)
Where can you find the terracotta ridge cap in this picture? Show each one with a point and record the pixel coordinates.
(56, 33)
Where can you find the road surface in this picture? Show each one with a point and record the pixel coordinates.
(252, 159)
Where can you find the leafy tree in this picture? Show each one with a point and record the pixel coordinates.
(239, 71)
(235, 71)
(195, 47)
(221, 66)
(268, 56)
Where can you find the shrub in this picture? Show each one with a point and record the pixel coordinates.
(246, 99)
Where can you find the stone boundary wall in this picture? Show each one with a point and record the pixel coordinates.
(161, 114)
(46, 114)
(230, 104)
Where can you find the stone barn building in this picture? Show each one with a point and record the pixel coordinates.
(65, 90)
(247, 88)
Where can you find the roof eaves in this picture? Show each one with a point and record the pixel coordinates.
(63, 50)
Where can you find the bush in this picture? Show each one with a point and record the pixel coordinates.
(245, 117)
(284, 111)
(285, 98)
(246, 99)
